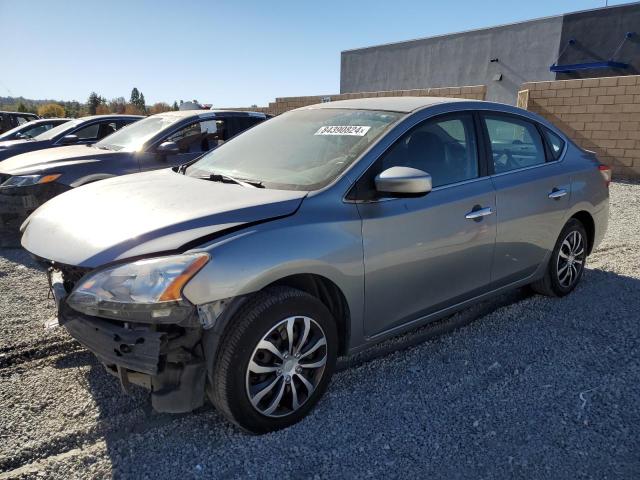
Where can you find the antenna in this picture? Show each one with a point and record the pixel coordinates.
(7, 89)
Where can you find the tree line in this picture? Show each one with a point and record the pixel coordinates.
(96, 105)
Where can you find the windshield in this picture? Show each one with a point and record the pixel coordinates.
(134, 136)
(300, 150)
(60, 129)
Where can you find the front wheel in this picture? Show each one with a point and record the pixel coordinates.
(276, 360)
(567, 261)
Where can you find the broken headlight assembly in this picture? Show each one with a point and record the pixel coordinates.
(146, 291)
(28, 180)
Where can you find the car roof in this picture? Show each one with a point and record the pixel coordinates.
(44, 120)
(196, 113)
(392, 104)
(19, 113)
(115, 116)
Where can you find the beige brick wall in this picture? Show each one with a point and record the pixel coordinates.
(600, 114)
(284, 104)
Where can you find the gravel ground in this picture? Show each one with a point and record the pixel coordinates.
(536, 388)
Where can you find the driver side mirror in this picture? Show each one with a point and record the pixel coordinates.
(403, 182)
(69, 139)
(168, 148)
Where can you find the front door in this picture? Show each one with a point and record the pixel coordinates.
(423, 254)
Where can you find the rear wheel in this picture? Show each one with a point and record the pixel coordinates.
(567, 261)
(275, 362)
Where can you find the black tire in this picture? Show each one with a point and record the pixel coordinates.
(552, 283)
(229, 379)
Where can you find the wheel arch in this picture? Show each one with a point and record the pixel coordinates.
(587, 221)
(329, 294)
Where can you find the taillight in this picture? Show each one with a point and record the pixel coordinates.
(605, 171)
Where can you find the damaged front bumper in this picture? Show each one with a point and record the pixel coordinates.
(166, 359)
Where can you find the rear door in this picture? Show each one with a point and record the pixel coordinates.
(423, 254)
(532, 194)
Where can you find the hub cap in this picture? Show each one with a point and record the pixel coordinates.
(286, 366)
(571, 258)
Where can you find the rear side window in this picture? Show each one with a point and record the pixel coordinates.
(556, 144)
(514, 143)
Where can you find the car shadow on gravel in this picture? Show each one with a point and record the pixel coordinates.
(17, 254)
(495, 415)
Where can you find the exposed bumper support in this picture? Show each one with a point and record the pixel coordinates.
(169, 363)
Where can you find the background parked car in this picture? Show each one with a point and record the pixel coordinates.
(82, 131)
(32, 129)
(159, 141)
(9, 120)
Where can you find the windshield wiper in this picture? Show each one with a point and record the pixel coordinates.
(216, 177)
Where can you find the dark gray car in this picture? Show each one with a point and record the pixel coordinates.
(9, 120)
(81, 131)
(316, 234)
(164, 140)
(32, 129)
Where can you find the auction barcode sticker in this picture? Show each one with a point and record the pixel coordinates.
(355, 130)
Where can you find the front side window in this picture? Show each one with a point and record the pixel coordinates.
(199, 137)
(88, 133)
(444, 148)
(299, 150)
(515, 143)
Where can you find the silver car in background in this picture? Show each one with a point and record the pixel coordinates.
(243, 276)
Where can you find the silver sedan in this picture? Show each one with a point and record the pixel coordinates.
(241, 277)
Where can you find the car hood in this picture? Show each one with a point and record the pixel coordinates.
(10, 148)
(13, 143)
(51, 158)
(143, 214)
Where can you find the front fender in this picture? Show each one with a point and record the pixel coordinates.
(329, 245)
(90, 179)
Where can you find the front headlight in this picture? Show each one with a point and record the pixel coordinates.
(28, 180)
(148, 290)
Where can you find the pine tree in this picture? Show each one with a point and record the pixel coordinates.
(141, 103)
(135, 96)
(93, 102)
(175, 106)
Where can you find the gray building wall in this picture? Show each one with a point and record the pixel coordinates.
(524, 52)
(597, 34)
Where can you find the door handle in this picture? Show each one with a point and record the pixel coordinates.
(478, 213)
(557, 193)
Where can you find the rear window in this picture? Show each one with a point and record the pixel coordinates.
(556, 144)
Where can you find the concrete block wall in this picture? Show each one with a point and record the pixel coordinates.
(600, 114)
(284, 104)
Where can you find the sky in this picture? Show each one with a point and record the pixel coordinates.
(228, 53)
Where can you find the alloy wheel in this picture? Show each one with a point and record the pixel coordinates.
(571, 258)
(286, 366)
